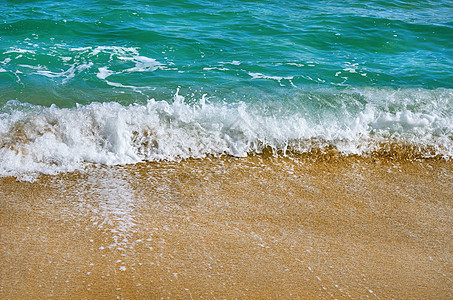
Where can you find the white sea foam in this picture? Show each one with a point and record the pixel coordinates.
(18, 50)
(108, 60)
(142, 64)
(5, 61)
(279, 79)
(36, 139)
(67, 75)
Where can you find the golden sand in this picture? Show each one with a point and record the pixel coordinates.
(256, 227)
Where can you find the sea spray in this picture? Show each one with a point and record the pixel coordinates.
(36, 139)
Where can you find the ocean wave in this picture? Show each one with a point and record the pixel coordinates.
(36, 139)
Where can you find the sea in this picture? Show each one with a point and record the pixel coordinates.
(115, 83)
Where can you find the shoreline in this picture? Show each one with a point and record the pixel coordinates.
(252, 227)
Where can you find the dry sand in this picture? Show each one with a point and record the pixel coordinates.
(256, 227)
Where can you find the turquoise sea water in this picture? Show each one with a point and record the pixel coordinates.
(115, 82)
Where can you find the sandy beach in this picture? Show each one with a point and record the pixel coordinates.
(257, 227)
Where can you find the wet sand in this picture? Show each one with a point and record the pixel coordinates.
(339, 227)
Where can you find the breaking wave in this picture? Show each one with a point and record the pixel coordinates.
(36, 139)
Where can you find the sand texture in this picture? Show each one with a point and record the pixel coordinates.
(342, 227)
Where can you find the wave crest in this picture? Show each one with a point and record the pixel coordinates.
(36, 139)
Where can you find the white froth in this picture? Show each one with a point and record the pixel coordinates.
(18, 50)
(103, 73)
(6, 61)
(72, 71)
(279, 79)
(36, 139)
(124, 60)
(142, 64)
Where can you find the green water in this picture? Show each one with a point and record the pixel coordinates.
(229, 49)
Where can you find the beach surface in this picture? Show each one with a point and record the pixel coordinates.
(256, 227)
